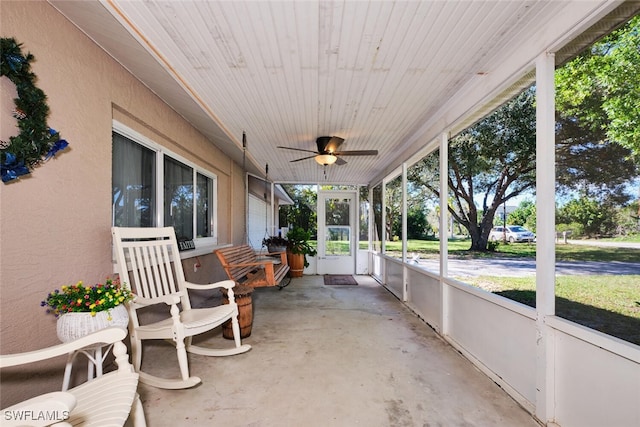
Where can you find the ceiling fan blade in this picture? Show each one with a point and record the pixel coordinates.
(334, 143)
(340, 161)
(357, 153)
(304, 158)
(297, 149)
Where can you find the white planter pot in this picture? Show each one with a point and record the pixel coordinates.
(71, 326)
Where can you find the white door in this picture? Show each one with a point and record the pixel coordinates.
(259, 219)
(337, 232)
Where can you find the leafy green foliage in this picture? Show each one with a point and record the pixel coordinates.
(628, 219)
(524, 215)
(589, 163)
(299, 243)
(601, 87)
(393, 205)
(596, 218)
(303, 211)
(417, 224)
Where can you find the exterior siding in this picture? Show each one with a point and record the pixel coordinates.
(55, 225)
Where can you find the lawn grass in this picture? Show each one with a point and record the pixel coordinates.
(633, 238)
(564, 252)
(609, 304)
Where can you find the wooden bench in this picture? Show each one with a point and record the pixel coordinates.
(243, 266)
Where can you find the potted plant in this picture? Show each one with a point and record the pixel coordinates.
(275, 244)
(298, 249)
(82, 309)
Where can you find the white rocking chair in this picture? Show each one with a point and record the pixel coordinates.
(149, 262)
(104, 401)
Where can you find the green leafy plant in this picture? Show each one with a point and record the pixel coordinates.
(87, 299)
(492, 246)
(299, 243)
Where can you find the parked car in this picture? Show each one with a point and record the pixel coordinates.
(514, 233)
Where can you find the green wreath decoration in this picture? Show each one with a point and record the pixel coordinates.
(36, 142)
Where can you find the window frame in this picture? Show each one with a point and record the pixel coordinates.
(160, 153)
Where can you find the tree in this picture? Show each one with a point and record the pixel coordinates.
(418, 226)
(598, 99)
(627, 219)
(494, 158)
(377, 216)
(601, 87)
(303, 211)
(364, 218)
(589, 163)
(595, 218)
(525, 215)
(393, 209)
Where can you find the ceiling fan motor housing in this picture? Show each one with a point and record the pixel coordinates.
(328, 144)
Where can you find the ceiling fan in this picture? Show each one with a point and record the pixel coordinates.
(328, 154)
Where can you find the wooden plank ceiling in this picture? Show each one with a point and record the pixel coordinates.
(383, 75)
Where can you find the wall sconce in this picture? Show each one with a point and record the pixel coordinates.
(325, 159)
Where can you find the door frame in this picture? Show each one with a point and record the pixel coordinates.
(338, 264)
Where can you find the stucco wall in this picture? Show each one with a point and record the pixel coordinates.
(55, 225)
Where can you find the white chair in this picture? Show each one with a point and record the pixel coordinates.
(149, 262)
(108, 400)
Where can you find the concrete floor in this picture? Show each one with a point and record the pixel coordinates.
(330, 356)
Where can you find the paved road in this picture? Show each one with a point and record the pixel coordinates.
(519, 267)
(516, 267)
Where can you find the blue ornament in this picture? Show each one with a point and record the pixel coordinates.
(12, 169)
(60, 144)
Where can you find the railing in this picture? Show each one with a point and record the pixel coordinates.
(590, 378)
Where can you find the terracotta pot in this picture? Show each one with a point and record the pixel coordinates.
(296, 264)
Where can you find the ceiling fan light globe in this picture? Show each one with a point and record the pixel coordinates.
(325, 159)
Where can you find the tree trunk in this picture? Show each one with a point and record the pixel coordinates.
(478, 242)
(480, 232)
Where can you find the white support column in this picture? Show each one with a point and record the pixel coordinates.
(372, 226)
(245, 238)
(383, 238)
(272, 207)
(405, 290)
(404, 212)
(443, 235)
(545, 232)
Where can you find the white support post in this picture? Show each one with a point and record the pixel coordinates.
(545, 232)
(443, 235)
(272, 207)
(246, 209)
(405, 289)
(372, 226)
(383, 238)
